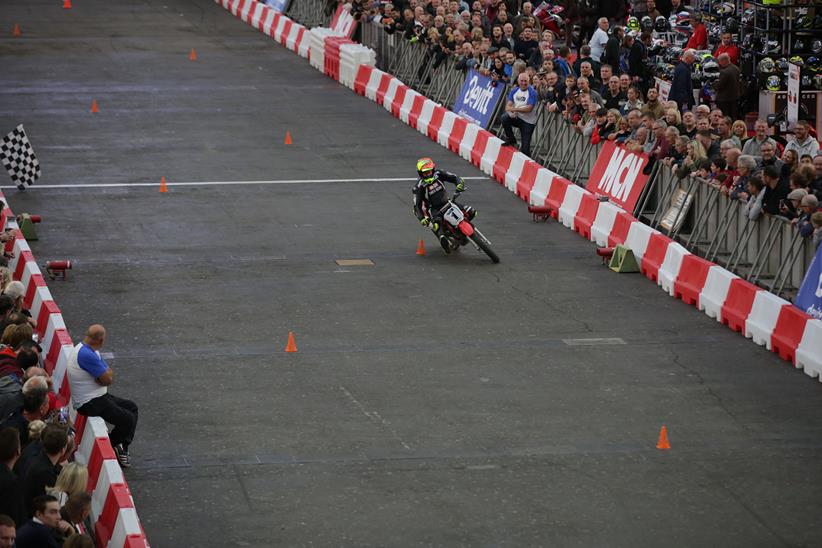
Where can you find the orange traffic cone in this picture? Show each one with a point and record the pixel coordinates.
(291, 346)
(421, 248)
(94, 106)
(163, 184)
(288, 137)
(16, 31)
(663, 444)
(66, 4)
(192, 55)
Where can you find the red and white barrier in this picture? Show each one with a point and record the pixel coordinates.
(769, 320)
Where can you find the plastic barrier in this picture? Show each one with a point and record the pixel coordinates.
(809, 352)
(737, 307)
(715, 291)
(788, 332)
(638, 238)
(693, 273)
(570, 205)
(762, 319)
(619, 231)
(653, 255)
(586, 215)
(671, 269)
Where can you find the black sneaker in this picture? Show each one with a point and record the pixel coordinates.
(122, 457)
(446, 245)
(509, 142)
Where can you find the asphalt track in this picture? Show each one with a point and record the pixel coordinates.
(437, 401)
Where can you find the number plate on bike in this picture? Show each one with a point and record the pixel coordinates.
(453, 215)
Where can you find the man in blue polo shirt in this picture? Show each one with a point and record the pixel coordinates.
(89, 378)
(521, 112)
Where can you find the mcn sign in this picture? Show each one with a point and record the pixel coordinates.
(618, 175)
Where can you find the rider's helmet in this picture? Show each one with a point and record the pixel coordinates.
(425, 169)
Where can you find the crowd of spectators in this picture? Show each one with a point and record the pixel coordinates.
(43, 492)
(601, 81)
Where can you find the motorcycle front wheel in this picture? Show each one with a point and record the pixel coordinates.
(484, 245)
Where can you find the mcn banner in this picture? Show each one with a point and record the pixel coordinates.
(618, 174)
(478, 98)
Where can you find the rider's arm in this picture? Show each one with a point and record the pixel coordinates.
(452, 178)
(418, 199)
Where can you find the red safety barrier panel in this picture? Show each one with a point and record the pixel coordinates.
(383, 87)
(738, 304)
(10, 244)
(586, 213)
(61, 338)
(331, 55)
(36, 281)
(527, 179)
(362, 78)
(416, 110)
(399, 99)
(118, 497)
(654, 255)
(787, 334)
(101, 451)
(619, 232)
(79, 428)
(556, 195)
(479, 146)
(46, 310)
(286, 30)
(502, 163)
(25, 257)
(692, 275)
(134, 541)
(457, 133)
(436, 122)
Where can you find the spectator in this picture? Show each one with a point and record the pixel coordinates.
(726, 46)
(745, 167)
(652, 104)
(789, 163)
(45, 467)
(12, 503)
(5, 276)
(599, 39)
(711, 147)
(6, 304)
(672, 117)
(633, 100)
(614, 98)
(587, 72)
(754, 197)
(816, 222)
(41, 530)
(776, 191)
(816, 184)
(79, 541)
(585, 88)
(77, 510)
(699, 37)
(802, 143)
(8, 531)
(526, 45)
(768, 157)
(585, 57)
(688, 126)
(561, 62)
(35, 406)
(682, 88)
(752, 146)
(727, 86)
(807, 207)
(605, 73)
(613, 48)
(790, 208)
(73, 479)
(498, 72)
(89, 378)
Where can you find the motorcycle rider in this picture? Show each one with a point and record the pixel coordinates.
(430, 196)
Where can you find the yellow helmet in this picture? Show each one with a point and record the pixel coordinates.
(425, 169)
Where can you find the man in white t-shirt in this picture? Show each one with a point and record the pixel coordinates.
(599, 39)
(520, 112)
(89, 378)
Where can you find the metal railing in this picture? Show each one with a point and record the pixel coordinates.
(311, 13)
(768, 251)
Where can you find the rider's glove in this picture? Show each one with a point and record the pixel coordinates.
(424, 221)
(461, 186)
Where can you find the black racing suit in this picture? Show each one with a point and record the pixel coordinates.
(429, 198)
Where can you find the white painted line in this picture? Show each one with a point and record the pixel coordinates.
(231, 183)
(374, 416)
(593, 342)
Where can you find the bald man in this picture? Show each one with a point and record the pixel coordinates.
(89, 377)
(727, 86)
(682, 89)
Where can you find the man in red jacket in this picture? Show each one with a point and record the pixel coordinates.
(727, 46)
(699, 39)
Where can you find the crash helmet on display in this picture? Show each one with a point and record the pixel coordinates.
(714, 34)
(633, 23)
(813, 64)
(772, 2)
(425, 169)
(771, 47)
(799, 45)
(732, 25)
(797, 60)
(806, 80)
(781, 65)
(748, 17)
(817, 81)
(661, 24)
(773, 83)
(804, 22)
(710, 70)
(725, 9)
(766, 66)
(816, 46)
(646, 24)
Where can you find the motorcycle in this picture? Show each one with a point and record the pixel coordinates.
(459, 230)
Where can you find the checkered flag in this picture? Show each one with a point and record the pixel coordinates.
(19, 159)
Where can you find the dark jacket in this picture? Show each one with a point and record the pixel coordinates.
(682, 88)
(612, 51)
(35, 535)
(11, 495)
(636, 60)
(41, 474)
(727, 85)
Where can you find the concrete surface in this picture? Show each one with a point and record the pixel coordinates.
(434, 401)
